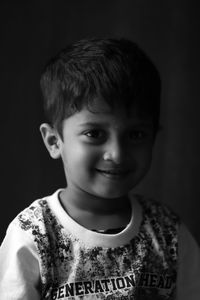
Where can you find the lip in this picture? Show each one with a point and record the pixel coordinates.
(113, 173)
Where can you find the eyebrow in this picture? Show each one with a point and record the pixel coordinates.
(92, 124)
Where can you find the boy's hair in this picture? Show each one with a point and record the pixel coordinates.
(115, 70)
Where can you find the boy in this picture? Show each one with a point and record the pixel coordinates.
(95, 239)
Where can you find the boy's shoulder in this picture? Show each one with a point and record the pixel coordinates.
(159, 228)
(37, 216)
(156, 211)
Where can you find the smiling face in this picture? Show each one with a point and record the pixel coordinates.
(105, 153)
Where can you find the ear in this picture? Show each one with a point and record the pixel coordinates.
(51, 140)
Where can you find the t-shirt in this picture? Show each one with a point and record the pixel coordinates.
(48, 255)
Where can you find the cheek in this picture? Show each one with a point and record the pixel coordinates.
(80, 156)
(144, 157)
(147, 159)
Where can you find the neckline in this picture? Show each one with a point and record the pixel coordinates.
(109, 230)
(92, 238)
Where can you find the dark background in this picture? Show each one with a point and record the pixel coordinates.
(32, 31)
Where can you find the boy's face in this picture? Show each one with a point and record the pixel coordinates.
(106, 153)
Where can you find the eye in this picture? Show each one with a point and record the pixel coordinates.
(138, 136)
(95, 134)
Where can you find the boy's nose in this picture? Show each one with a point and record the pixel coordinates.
(114, 152)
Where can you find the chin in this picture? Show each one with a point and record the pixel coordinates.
(112, 194)
(113, 191)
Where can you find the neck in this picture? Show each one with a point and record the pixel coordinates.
(95, 212)
(84, 201)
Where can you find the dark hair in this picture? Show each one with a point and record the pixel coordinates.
(115, 70)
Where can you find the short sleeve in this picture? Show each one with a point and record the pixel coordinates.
(188, 285)
(19, 266)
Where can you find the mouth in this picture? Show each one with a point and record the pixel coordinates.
(113, 173)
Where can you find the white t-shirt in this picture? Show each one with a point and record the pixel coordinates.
(47, 255)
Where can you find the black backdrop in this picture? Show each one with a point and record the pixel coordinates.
(32, 31)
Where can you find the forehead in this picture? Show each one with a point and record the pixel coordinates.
(103, 113)
(129, 110)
